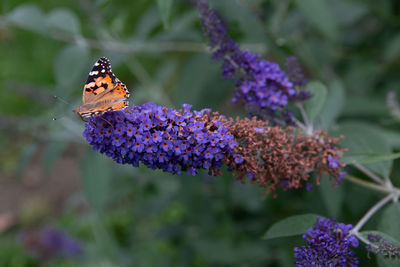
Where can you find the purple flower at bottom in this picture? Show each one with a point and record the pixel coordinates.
(328, 244)
(60, 242)
(49, 243)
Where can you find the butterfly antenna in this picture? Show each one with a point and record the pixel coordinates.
(58, 118)
(56, 97)
(61, 99)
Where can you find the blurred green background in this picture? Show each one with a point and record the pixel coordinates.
(125, 216)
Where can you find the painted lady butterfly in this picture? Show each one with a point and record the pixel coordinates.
(102, 92)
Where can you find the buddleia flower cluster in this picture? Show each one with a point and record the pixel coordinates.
(172, 140)
(329, 243)
(183, 140)
(263, 86)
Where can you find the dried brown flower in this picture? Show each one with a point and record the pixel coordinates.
(276, 157)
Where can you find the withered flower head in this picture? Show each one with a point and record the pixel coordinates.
(276, 157)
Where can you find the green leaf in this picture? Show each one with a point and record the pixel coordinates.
(391, 231)
(392, 50)
(333, 105)
(389, 222)
(70, 63)
(96, 175)
(362, 138)
(365, 106)
(384, 262)
(315, 105)
(368, 158)
(332, 197)
(202, 79)
(292, 226)
(51, 154)
(318, 13)
(223, 252)
(30, 17)
(392, 137)
(62, 19)
(146, 23)
(239, 12)
(348, 12)
(164, 6)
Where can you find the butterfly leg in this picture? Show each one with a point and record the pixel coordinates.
(101, 117)
(93, 124)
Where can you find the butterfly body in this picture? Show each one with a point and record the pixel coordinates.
(102, 92)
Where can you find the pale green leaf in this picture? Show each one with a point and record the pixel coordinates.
(389, 222)
(292, 226)
(332, 197)
(164, 6)
(318, 13)
(361, 138)
(62, 19)
(30, 17)
(70, 63)
(333, 105)
(315, 105)
(392, 50)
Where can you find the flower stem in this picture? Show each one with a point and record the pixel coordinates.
(300, 124)
(309, 126)
(370, 174)
(372, 211)
(369, 185)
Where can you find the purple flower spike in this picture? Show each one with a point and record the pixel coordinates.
(175, 141)
(263, 87)
(50, 243)
(60, 242)
(328, 244)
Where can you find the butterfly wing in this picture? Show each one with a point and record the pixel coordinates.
(102, 92)
(100, 79)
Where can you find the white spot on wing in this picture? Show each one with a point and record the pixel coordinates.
(90, 85)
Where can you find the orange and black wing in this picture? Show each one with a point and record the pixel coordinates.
(100, 79)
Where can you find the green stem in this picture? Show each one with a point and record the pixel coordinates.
(369, 173)
(372, 211)
(370, 185)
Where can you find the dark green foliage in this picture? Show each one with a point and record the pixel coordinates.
(141, 217)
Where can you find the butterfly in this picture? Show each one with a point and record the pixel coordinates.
(102, 92)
